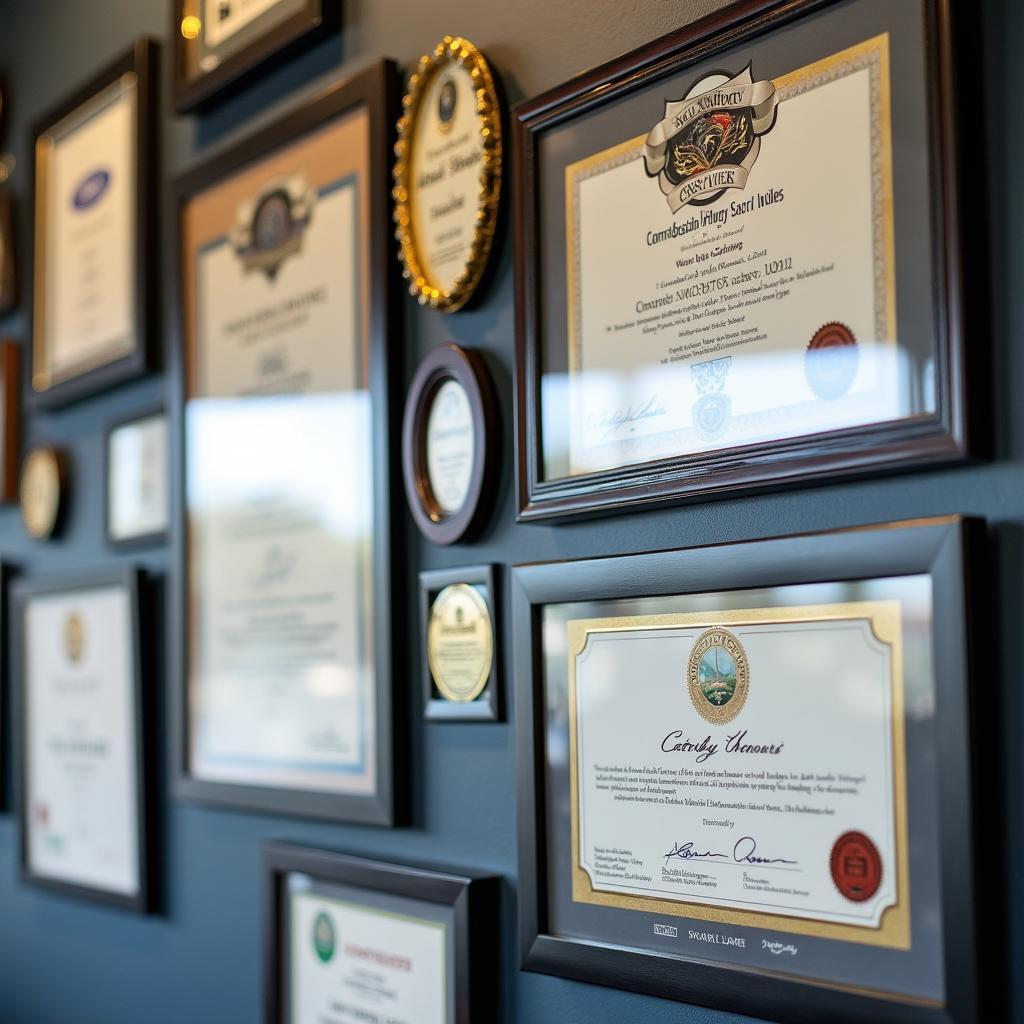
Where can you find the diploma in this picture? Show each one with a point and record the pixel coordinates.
(747, 769)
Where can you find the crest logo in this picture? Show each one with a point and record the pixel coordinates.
(74, 638)
(718, 676)
(708, 141)
(269, 229)
(323, 937)
(91, 189)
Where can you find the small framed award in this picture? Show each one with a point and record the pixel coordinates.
(83, 734)
(43, 490)
(418, 941)
(702, 308)
(138, 480)
(448, 173)
(93, 320)
(10, 419)
(8, 278)
(449, 444)
(756, 761)
(460, 624)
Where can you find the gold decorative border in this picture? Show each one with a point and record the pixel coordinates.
(451, 49)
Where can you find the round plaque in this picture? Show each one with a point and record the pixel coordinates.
(460, 642)
(450, 443)
(448, 174)
(42, 491)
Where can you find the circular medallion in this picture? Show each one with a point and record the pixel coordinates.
(856, 866)
(460, 642)
(449, 446)
(718, 676)
(323, 937)
(41, 492)
(74, 637)
(830, 362)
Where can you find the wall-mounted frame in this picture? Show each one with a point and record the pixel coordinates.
(7, 574)
(79, 647)
(137, 479)
(8, 275)
(218, 46)
(94, 321)
(700, 310)
(10, 419)
(450, 444)
(430, 933)
(699, 679)
(459, 613)
(283, 692)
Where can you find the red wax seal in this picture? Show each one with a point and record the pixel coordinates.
(856, 866)
(832, 336)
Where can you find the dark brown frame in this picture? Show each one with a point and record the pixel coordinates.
(8, 273)
(377, 89)
(316, 20)
(8, 573)
(22, 592)
(949, 550)
(473, 897)
(10, 389)
(450, 362)
(142, 60)
(487, 707)
(142, 539)
(955, 433)
(63, 458)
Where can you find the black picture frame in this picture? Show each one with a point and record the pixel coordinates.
(23, 590)
(488, 706)
(8, 272)
(958, 430)
(948, 549)
(376, 88)
(468, 369)
(315, 20)
(142, 60)
(141, 540)
(472, 896)
(10, 419)
(8, 573)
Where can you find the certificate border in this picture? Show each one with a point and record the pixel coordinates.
(885, 621)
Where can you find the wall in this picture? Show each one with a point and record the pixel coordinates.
(66, 962)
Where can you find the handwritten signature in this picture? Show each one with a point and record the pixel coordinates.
(744, 852)
(613, 421)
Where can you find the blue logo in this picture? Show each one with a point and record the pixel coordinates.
(91, 189)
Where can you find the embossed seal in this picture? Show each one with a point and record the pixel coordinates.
(856, 866)
(718, 676)
(830, 361)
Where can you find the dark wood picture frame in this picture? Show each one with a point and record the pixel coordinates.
(957, 431)
(141, 540)
(488, 706)
(8, 255)
(142, 60)
(8, 573)
(133, 580)
(950, 551)
(316, 20)
(467, 368)
(473, 897)
(10, 429)
(377, 89)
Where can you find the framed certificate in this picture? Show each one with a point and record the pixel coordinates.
(755, 761)
(138, 479)
(219, 43)
(77, 667)
(345, 937)
(285, 700)
(95, 220)
(8, 279)
(704, 305)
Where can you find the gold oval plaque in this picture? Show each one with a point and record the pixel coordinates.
(460, 642)
(41, 492)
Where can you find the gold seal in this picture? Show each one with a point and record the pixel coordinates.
(460, 642)
(74, 637)
(718, 676)
(41, 492)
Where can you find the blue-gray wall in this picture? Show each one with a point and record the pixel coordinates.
(67, 962)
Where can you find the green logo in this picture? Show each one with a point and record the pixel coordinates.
(323, 937)
(717, 676)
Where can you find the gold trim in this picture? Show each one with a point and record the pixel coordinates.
(885, 619)
(451, 49)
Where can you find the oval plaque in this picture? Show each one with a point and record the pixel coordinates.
(460, 642)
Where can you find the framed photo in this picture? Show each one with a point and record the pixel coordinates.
(460, 650)
(10, 419)
(94, 315)
(138, 479)
(703, 308)
(218, 44)
(428, 936)
(450, 444)
(755, 761)
(85, 801)
(8, 278)
(285, 692)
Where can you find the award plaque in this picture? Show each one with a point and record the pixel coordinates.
(138, 478)
(218, 44)
(285, 699)
(733, 760)
(347, 936)
(43, 491)
(460, 674)
(449, 442)
(84, 782)
(8, 279)
(95, 221)
(448, 174)
(10, 419)
(707, 306)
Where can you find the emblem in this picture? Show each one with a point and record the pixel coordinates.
(718, 676)
(447, 97)
(269, 228)
(713, 408)
(830, 362)
(91, 189)
(74, 638)
(323, 937)
(856, 866)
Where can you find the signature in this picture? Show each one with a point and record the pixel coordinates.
(777, 948)
(687, 852)
(744, 852)
(613, 421)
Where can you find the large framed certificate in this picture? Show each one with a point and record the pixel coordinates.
(348, 939)
(95, 229)
(81, 711)
(735, 272)
(285, 700)
(755, 760)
